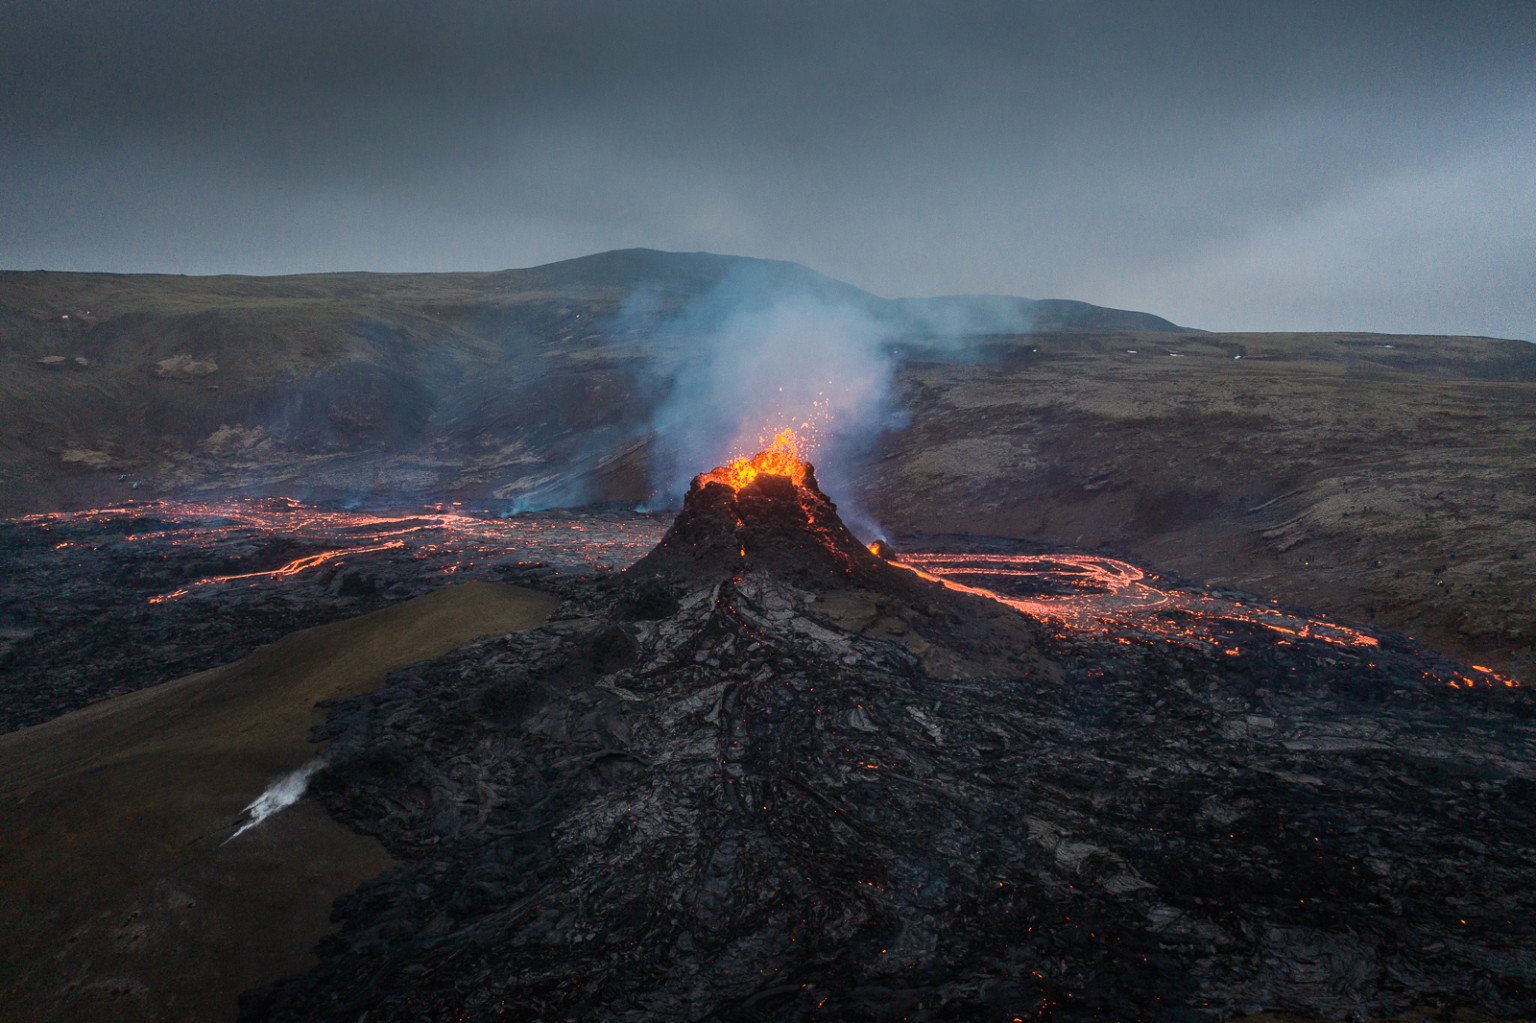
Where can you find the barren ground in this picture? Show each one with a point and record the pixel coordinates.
(1383, 479)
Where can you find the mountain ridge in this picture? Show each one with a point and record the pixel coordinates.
(631, 268)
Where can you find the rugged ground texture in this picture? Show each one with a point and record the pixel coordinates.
(80, 621)
(1386, 479)
(706, 793)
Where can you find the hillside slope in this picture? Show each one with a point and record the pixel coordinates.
(126, 898)
(1387, 478)
(507, 384)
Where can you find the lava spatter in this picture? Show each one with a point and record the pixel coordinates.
(760, 512)
(782, 457)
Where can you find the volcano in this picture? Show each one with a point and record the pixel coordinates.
(767, 775)
(764, 513)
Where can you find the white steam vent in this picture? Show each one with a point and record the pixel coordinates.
(283, 793)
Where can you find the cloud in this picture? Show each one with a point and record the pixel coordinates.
(1428, 249)
(1052, 149)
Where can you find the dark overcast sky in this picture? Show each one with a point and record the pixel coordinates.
(1258, 166)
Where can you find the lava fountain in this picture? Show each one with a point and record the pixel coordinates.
(760, 511)
(782, 457)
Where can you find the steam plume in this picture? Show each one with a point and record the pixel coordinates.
(280, 795)
(775, 345)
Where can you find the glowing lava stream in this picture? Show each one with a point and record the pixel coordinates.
(1120, 584)
(1116, 598)
(1093, 594)
(293, 567)
(440, 533)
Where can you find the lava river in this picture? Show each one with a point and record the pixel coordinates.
(1075, 593)
(1086, 593)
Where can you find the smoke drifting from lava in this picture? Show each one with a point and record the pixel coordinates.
(775, 346)
(763, 357)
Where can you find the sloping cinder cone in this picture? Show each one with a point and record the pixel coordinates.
(771, 524)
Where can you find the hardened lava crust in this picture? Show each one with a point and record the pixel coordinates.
(764, 775)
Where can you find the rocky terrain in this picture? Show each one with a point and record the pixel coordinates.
(98, 605)
(763, 773)
(1387, 479)
(767, 775)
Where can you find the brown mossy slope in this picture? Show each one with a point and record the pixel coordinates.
(121, 903)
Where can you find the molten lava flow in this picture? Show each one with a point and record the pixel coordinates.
(1093, 594)
(782, 457)
(444, 537)
(1083, 594)
(293, 567)
(1105, 594)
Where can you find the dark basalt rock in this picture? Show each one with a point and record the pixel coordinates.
(77, 621)
(786, 791)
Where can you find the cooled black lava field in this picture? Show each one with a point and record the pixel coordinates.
(765, 774)
(108, 601)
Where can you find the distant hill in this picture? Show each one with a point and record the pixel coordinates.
(602, 276)
(677, 274)
(692, 273)
(1003, 314)
(538, 381)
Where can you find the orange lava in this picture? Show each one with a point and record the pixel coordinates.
(1089, 594)
(782, 457)
(292, 568)
(1116, 598)
(438, 532)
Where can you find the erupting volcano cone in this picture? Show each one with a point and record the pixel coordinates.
(739, 518)
(777, 778)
